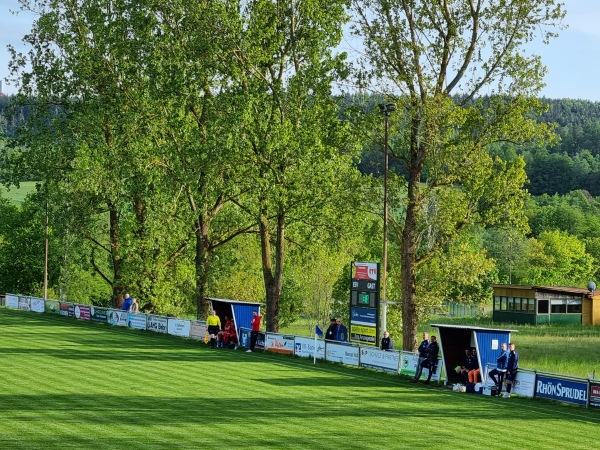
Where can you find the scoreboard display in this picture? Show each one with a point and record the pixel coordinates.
(364, 303)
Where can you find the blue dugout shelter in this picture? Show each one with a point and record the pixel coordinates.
(454, 339)
(239, 311)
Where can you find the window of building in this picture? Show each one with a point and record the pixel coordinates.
(531, 305)
(574, 306)
(558, 306)
(510, 304)
(565, 306)
(543, 306)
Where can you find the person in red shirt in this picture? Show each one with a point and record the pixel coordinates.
(255, 324)
(228, 334)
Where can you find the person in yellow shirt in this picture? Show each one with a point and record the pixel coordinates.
(214, 326)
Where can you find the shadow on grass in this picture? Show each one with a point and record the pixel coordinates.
(164, 411)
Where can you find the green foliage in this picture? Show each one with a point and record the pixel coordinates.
(444, 124)
(22, 247)
(558, 259)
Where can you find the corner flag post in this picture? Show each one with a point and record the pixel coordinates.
(318, 332)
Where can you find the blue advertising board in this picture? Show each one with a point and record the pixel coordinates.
(364, 316)
(562, 390)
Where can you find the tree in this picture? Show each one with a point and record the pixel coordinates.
(437, 61)
(294, 140)
(556, 258)
(87, 78)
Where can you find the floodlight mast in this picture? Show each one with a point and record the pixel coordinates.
(386, 109)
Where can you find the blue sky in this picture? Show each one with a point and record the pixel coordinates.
(573, 59)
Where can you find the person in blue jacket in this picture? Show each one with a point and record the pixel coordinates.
(126, 303)
(341, 332)
(500, 370)
(511, 369)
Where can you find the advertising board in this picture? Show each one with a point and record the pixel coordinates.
(99, 314)
(305, 347)
(137, 321)
(345, 354)
(38, 305)
(375, 358)
(117, 317)
(158, 324)
(25, 303)
(66, 309)
(12, 301)
(179, 327)
(198, 330)
(82, 312)
(280, 343)
(562, 390)
(595, 394)
(524, 384)
(408, 366)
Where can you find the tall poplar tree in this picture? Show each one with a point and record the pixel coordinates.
(293, 138)
(462, 78)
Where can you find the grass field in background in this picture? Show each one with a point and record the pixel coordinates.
(565, 349)
(18, 195)
(76, 384)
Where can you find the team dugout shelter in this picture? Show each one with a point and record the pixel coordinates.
(237, 310)
(524, 304)
(454, 339)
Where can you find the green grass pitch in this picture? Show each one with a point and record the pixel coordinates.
(74, 384)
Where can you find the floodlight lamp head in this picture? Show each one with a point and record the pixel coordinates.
(387, 108)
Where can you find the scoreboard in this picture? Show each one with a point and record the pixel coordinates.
(364, 303)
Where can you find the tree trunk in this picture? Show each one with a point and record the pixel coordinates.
(409, 246)
(117, 262)
(202, 266)
(273, 279)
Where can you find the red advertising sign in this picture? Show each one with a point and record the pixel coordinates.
(365, 271)
(595, 395)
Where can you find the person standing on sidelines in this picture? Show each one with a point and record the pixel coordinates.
(213, 324)
(126, 303)
(135, 307)
(511, 369)
(386, 341)
(255, 324)
(341, 332)
(330, 333)
(423, 349)
(500, 370)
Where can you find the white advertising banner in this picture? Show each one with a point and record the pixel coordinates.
(524, 384)
(198, 330)
(25, 303)
(341, 353)
(408, 366)
(158, 324)
(38, 304)
(280, 343)
(375, 358)
(137, 321)
(305, 347)
(117, 317)
(179, 327)
(12, 301)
